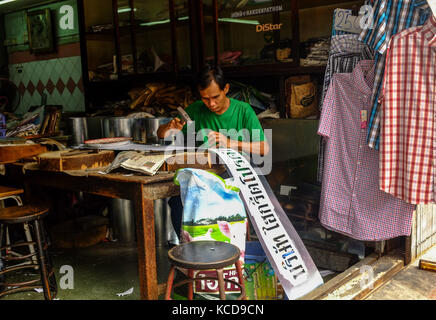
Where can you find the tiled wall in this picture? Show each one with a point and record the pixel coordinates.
(59, 78)
(57, 74)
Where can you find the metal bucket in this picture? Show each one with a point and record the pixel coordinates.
(117, 127)
(139, 130)
(145, 129)
(79, 129)
(124, 224)
(123, 220)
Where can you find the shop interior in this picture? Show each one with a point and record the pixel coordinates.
(108, 61)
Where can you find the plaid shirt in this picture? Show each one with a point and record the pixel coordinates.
(351, 201)
(345, 52)
(390, 17)
(408, 132)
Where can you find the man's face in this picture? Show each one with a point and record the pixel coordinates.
(214, 98)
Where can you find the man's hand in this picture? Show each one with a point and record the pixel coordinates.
(218, 140)
(176, 123)
(164, 130)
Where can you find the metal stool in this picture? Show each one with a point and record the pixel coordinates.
(204, 255)
(34, 216)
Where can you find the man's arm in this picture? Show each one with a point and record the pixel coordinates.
(257, 147)
(220, 140)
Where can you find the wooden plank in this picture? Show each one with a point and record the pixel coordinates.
(340, 280)
(413, 238)
(60, 180)
(161, 190)
(14, 152)
(383, 272)
(369, 278)
(66, 160)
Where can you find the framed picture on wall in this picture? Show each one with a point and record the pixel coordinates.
(39, 28)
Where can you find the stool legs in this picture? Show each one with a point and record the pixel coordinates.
(221, 286)
(43, 260)
(238, 265)
(47, 276)
(26, 229)
(190, 285)
(219, 278)
(170, 283)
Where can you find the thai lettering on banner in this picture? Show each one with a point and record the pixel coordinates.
(262, 210)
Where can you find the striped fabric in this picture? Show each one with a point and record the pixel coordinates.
(351, 202)
(345, 52)
(408, 132)
(390, 17)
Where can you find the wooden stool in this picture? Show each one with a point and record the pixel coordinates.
(204, 255)
(34, 216)
(11, 193)
(14, 193)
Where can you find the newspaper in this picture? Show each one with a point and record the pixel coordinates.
(139, 161)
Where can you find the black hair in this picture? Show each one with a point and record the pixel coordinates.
(208, 74)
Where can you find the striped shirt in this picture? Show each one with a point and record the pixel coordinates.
(408, 132)
(389, 18)
(351, 201)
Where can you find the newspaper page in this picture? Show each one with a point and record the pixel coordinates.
(142, 162)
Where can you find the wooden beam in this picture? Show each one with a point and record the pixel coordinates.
(144, 211)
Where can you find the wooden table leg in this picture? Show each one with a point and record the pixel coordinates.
(146, 246)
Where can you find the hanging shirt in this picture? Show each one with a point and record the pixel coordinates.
(408, 132)
(345, 52)
(389, 18)
(351, 202)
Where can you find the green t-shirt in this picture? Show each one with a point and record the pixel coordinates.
(239, 122)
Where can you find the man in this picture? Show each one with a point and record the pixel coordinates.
(215, 112)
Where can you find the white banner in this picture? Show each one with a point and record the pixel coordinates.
(285, 250)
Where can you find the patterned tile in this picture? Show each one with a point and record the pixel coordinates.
(31, 87)
(21, 88)
(80, 85)
(40, 87)
(50, 86)
(59, 78)
(71, 85)
(60, 85)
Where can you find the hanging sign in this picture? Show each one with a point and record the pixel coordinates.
(345, 21)
(255, 12)
(285, 250)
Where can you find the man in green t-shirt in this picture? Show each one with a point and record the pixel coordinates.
(220, 121)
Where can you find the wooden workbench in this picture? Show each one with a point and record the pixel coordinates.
(142, 190)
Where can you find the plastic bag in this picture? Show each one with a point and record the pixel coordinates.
(212, 210)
